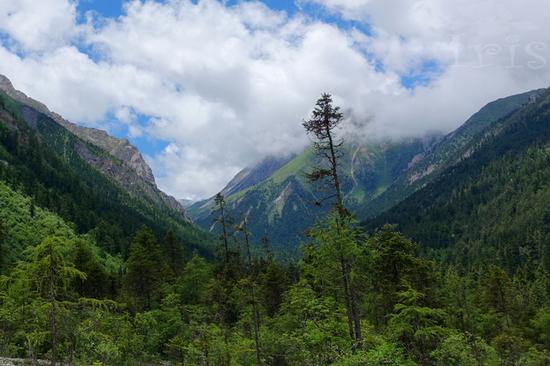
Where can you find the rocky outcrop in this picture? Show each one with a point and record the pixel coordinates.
(116, 158)
(119, 148)
(127, 177)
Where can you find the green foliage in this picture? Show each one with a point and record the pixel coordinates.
(393, 263)
(145, 270)
(541, 324)
(310, 330)
(41, 293)
(386, 353)
(173, 251)
(464, 350)
(98, 282)
(417, 327)
(194, 283)
(492, 207)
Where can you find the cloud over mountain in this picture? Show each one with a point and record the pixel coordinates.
(225, 84)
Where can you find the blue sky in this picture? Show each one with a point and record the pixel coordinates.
(107, 8)
(113, 8)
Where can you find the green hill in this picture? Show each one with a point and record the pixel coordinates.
(450, 150)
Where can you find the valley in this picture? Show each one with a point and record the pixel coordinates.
(274, 183)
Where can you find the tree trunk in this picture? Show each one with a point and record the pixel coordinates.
(335, 177)
(224, 229)
(354, 317)
(356, 314)
(345, 284)
(32, 355)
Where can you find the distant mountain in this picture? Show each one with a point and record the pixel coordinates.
(493, 204)
(376, 177)
(280, 202)
(249, 177)
(100, 183)
(185, 202)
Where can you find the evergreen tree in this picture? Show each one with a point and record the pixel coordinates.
(393, 264)
(193, 285)
(496, 293)
(273, 282)
(145, 270)
(325, 119)
(97, 283)
(418, 327)
(224, 222)
(49, 275)
(174, 252)
(252, 279)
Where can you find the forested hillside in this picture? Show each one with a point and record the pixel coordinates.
(447, 152)
(66, 299)
(45, 161)
(375, 177)
(493, 206)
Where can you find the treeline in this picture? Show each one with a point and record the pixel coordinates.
(67, 301)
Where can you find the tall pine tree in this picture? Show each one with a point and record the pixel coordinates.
(322, 125)
(145, 270)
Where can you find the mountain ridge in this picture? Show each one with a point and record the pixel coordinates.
(84, 184)
(494, 201)
(138, 179)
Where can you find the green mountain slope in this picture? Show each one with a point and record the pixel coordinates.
(64, 174)
(493, 206)
(285, 205)
(23, 225)
(447, 152)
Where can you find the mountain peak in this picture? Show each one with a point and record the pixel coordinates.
(122, 149)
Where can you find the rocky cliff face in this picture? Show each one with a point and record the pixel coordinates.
(119, 148)
(123, 162)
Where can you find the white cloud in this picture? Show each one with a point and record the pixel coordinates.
(226, 85)
(38, 25)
